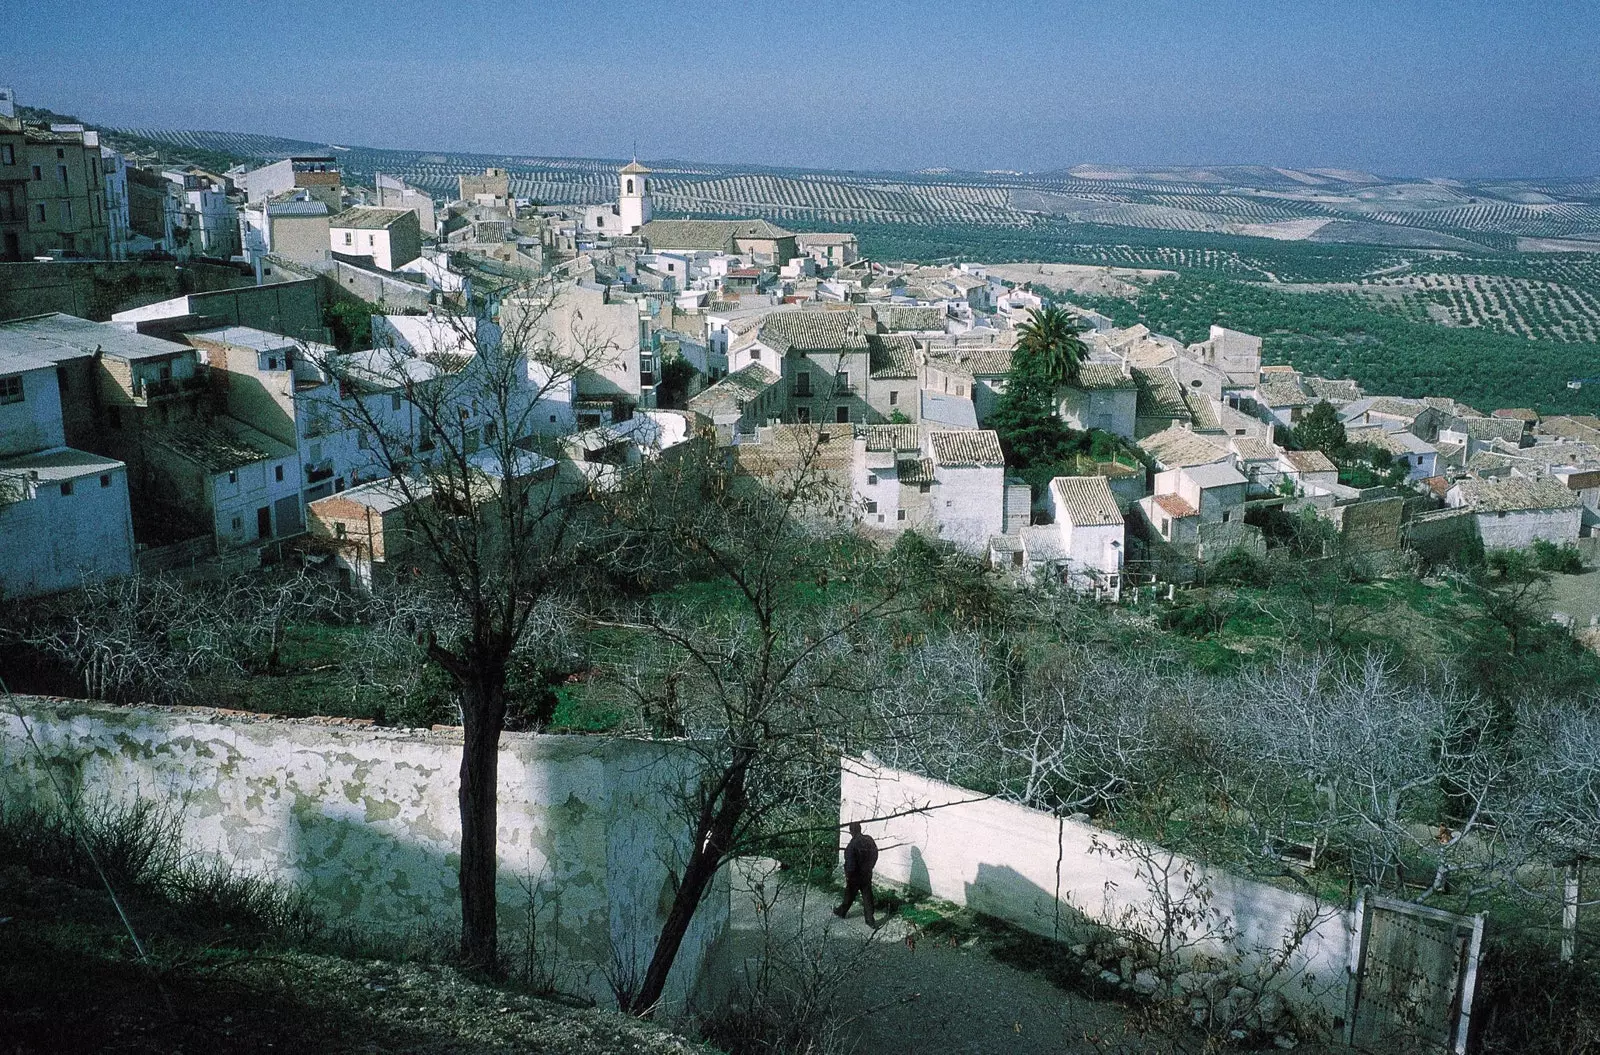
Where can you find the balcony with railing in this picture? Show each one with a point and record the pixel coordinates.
(160, 389)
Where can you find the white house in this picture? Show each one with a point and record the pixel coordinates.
(64, 513)
(1103, 396)
(969, 476)
(246, 482)
(64, 519)
(1190, 504)
(1516, 511)
(391, 237)
(1088, 530)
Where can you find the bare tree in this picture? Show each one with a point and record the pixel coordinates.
(459, 428)
(768, 683)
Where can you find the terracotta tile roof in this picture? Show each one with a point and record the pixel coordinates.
(1309, 462)
(1159, 393)
(219, 445)
(1519, 413)
(1516, 493)
(978, 361)
(717, 235)
(1252, 450)
(1439, 485)
(891, 437)
(894, 355)
(1093, 377)
(1086, 500)
(367, 218)
(1282, 390)
(1333, 391)
(1177, 448)
(1395, 407)
(911, 318)
(914, 470)
(1202, 411)
(813, 331)
(1484, 429)
(967, 447)
(734, 391)
(1174, 506)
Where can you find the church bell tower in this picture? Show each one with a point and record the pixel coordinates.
(633, 197)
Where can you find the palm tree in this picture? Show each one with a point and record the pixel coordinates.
(1050, 338)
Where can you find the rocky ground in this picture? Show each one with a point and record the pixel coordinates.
(71, 982)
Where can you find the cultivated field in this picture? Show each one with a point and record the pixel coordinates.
(1322, 205)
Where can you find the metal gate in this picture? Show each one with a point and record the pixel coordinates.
(1413, 970)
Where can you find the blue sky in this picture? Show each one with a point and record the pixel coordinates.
(1454, 87)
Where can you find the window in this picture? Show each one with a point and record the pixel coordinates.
(755, 355)
(630, 187)
(38, 212)
(802, 415)
(924, 488)
(872, 479)
(394, 402)
(599, 221)
(1166, 527)
(1226, 517)
(491, 432)
(842, 415)
(105, 479)
(8, 154)
(61, 174)
(233, 476)
(894, 397)
(842, 380)
(802, 383)
(11, 389)
(900, 514)
(237, 524)
(369, 240)
(348, 237)
(872, 507)
(66, 488)
(61, 152)
(277, 472)
(338, 529)
(66, 212)
(38, 173)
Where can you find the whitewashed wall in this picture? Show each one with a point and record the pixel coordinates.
(365, 820)
(1045, 874)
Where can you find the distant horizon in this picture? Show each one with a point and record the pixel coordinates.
(1177, 166)
(1464, 89)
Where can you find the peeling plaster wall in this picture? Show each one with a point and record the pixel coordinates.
(365, 820)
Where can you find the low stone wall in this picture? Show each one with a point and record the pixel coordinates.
(96, 289)
(1068, 880)
(365, 821)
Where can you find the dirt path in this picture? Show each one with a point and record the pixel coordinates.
(908, 994)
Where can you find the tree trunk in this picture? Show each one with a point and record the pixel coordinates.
(713, 838)
(482, 718)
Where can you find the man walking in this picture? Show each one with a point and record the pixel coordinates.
(860, 856)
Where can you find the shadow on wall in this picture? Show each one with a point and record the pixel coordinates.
(1004, 893)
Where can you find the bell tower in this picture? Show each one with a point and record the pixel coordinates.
(633, 197)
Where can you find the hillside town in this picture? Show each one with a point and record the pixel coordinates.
(598, 583)
(214, 426)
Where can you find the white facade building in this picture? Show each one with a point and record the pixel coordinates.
(1088, 529)
(64, 519)
(64, 513)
